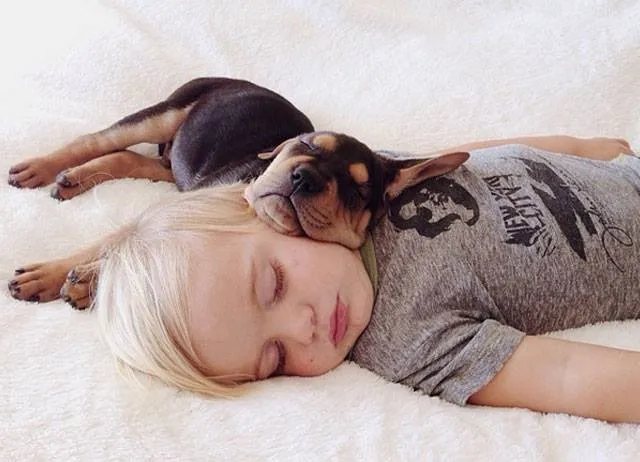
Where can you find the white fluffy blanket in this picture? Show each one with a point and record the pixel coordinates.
(413, 75)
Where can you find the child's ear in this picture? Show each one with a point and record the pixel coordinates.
(413, 173)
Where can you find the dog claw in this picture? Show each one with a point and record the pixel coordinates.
(71, 302)
(62, 180)
(14, 183)
(19, 271)
(34, 298)
(55, 193)
(73, 277)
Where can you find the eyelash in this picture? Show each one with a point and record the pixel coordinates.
(279, 290)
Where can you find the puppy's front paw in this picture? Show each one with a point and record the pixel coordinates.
(33, 173)
(79, 285)
(40, 282)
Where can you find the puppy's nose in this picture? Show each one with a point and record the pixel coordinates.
(307, 180)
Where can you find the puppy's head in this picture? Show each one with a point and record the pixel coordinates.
(331, 187)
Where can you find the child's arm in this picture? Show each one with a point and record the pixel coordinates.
(550, 375)
(591, 148)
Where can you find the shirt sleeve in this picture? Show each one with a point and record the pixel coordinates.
(459, 356)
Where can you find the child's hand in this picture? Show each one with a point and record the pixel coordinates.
(602, 148)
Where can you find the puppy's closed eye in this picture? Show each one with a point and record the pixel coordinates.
(355, 196)
(312, 147)
(364, 190)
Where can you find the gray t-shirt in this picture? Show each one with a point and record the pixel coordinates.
(516, 241)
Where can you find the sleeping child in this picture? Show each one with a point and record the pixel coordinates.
(448, 296)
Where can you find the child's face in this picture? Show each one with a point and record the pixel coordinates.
(265, 304)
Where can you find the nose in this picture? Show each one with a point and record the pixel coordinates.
(307, 180)
(297, 324)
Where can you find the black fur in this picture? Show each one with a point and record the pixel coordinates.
(231, 122)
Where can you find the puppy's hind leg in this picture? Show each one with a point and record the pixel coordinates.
(156, 124)
(123, 164)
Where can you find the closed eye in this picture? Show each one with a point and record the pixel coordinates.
(279, 286)
(282, 358)
(355, 196)
(364, 191)
(309, 146)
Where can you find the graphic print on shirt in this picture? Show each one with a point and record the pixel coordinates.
(433, 206)
(573, 209)
(524, 221)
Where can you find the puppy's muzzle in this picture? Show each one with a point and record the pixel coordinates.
(307, 181)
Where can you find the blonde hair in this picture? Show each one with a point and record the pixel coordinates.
(142, 292)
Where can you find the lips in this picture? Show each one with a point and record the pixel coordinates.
(338, 323)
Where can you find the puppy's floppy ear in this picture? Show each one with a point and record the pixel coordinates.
(272, 154)
(410, 172)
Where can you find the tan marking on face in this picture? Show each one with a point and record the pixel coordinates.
(326, 142)
(359, 172)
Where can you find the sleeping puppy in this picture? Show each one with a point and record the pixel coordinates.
(331, 187)
(209, 130)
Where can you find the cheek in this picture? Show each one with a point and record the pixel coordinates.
(313, 364)
(311, 258)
